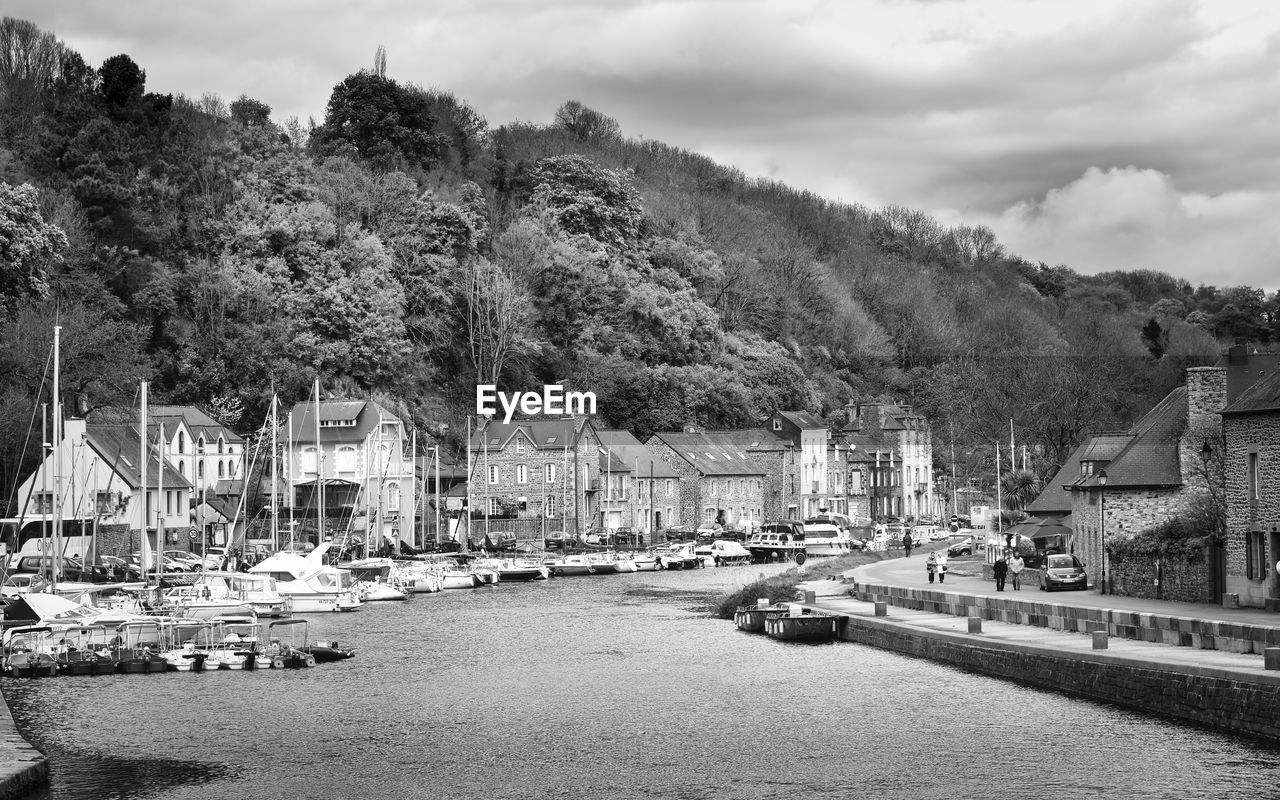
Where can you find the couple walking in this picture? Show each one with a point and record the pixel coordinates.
(1009, 564)
(936, 564)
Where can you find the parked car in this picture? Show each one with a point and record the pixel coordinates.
(192, 560)
(964, 547)
(73, 569)
(213, 557)
(1062, 571)
(21, 582)
(166, 564)
(120, 570)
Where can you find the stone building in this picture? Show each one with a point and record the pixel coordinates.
(718, 477)
(1131, 481)
(808, 437)
(541, 475)
(360, 466)
(903, 472)
(650, 500)
(1251, 471)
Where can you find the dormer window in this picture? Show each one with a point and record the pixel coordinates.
(777, 424)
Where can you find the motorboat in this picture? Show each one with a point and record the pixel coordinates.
(515, 569)
(453, 572)
(136, 647)
(376, 579)
(181, 638)
(777, 541)
(677, 556)
(259, 592)
(326, 651)
(82, 651)
(288, 644)
(823, 537)
(310, 583)
(198, 602)
(27, 653)
(418, 577)
(572, 565)
(723, 552)
(751, 618)
(644, 561)
(223, 649)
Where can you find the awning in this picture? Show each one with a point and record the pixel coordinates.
(1051, 527)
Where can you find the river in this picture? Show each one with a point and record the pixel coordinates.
(605, 687)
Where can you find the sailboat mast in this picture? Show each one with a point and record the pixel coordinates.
(160, 509)
(56, 563)
(319, 471)
(470, 477)
(421, 539)
(436, 448)
(289, 472)
(144, 544)
(275, 479)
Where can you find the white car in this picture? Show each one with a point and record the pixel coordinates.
(213, 557)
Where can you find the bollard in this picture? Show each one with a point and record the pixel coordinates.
(1271, 658)
(810, 598)
(882, 609)
(1099, 640)
(975, 624)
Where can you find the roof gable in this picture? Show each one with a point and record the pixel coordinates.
(1260, 397)
(1150, 456)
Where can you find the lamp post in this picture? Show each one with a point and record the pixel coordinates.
(1102, 525)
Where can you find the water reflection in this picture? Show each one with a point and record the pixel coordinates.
(605, 687)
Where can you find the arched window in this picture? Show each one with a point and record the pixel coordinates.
(393, 497)
(182, 442)
(221, 444)
(200, 469)
(221, 469)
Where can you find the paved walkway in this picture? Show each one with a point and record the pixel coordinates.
(966, 577)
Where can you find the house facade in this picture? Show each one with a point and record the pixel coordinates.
(718, 478)
(1251, 473)
(1131, 481)
(808, 437)
(91, 481)
(539, 476)
(901, 442)
(350, 475)
(651, 498)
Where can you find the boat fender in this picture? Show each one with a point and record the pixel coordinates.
(310, 661)
(277, 663)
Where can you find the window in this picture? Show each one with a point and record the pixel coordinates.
(168, 504)
(550, 506)
(551, 473)
(709, 514)
(182, 468)
(200, 469)
(714, 487)
(1256, 555)
(393, 497)
(1253, 477)
(345, 459)
(221, 444)
(182, 442)
(520, 446)
(222, 473)
(495, 507)
(306, 464)
(105, 504)
(493, 474)
(668, 491)
(777, 424)
(522, 473)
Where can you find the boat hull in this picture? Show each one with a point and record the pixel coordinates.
(749, 619)
(808, 627)
(520, 574)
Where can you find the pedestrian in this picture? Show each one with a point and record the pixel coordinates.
(942, 566)
(907, 543)
(931, 566)
(1015, 569)
(1000, 569)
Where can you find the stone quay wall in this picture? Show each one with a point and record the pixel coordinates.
(1162, 579)
(23, 769)
(1204, 696)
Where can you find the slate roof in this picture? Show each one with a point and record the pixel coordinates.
(118, 447)
(863, 447)
(1055, 499)
(1150, 457)
(755, 440)
(639, 459)
(196, 420)
(712, 453)
(364, 413)
(1260, 397)
(802, 419)
(556, 434)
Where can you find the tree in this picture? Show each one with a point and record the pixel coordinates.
(588, 199)
(375, 118)
(28, 245)
(586, 123)
(499, 321)
(249, 112)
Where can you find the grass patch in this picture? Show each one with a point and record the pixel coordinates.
(781, 588)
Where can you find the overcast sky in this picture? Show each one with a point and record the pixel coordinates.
(1100, 135)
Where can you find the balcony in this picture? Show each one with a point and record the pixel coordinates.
(922, 488)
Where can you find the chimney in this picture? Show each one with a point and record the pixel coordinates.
(689, 427)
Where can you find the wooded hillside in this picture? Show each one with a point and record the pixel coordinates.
(401, 248)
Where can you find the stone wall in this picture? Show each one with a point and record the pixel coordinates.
(1245, 434)
(690, 489)
(1178, 579)
(1216, 700)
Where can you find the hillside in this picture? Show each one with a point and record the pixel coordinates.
(402, 248)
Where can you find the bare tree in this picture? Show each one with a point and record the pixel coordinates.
(499, 321)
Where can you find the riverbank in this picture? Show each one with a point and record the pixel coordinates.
(23, 768)
(1012, 639)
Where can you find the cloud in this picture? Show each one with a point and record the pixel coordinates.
(1130, 218)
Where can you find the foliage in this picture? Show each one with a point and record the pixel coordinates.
(1184, 537)
(28, 245)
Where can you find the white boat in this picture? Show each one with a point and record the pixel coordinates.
(418, 577)
(571, 565)
(259, 592)
(644, 562)
(515, 569)
(309, 583)
(197, 602)
(376, 579)
(723, 552)
(677, 556)
(180, 639)
(823, 537)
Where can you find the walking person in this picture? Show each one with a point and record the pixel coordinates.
(931, 566)
(1015, 569)
(907, 543)
(1000, 569)
(942, 566)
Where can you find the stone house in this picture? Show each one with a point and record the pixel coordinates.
(808, 437)
(1128, 482)
(540, 475)
(652, 495)
(353, 455)
(896, 430)
(873, 478)
(717, 476)
(97, 483)
(1251, 472)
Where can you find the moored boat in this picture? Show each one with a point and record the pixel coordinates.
(750, 618)
(309, 583)
(777, 541)
(571, 565)
(799, 624)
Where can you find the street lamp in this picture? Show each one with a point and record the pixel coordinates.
(1102, 524)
